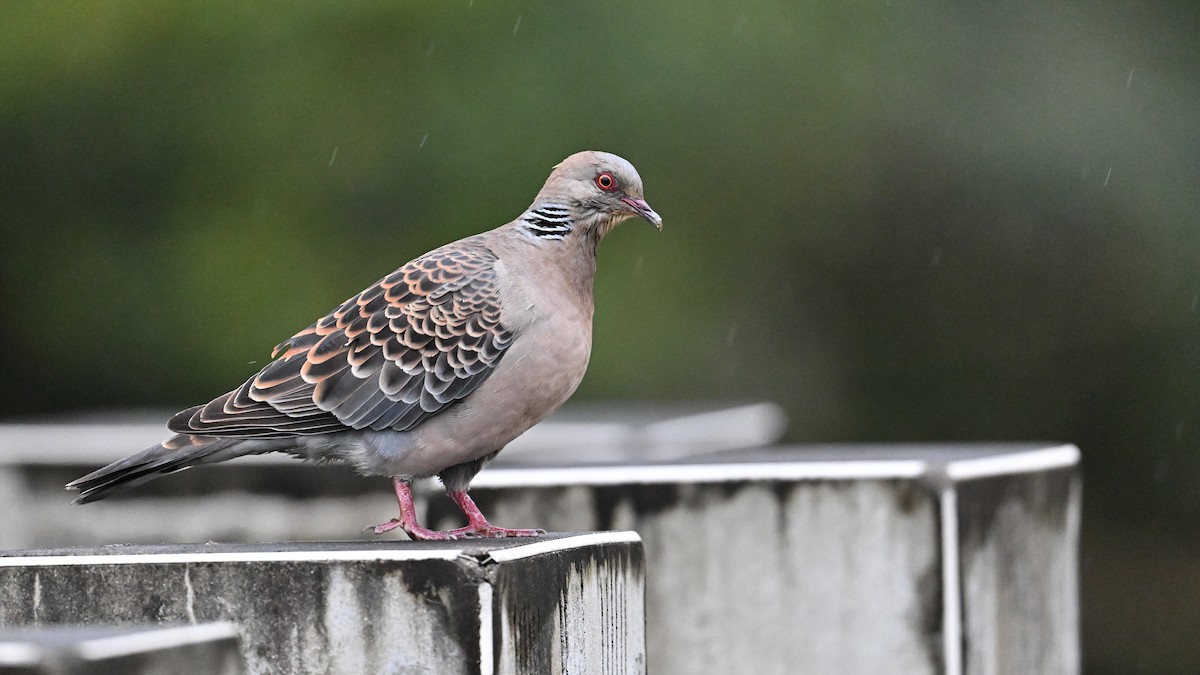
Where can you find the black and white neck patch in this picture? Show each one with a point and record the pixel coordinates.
(548, 221)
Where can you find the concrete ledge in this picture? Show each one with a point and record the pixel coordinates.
(550, 605)
(888, 558)
(205, 649)
(918, 558)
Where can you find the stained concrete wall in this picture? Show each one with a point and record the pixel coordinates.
(770, 576)
(1019, 543)
(933, 559)
(557, 605)
(914, 559)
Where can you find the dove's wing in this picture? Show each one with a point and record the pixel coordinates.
(399, 352)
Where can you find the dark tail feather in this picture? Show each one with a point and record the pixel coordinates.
(174, 454)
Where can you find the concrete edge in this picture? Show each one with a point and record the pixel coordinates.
(552, 545)
(952, 610)
(154, 639)
(20, 654)
(487, 628)
(1023, 461)
(137, 639)
(240, 556)
(698, 473)
(1029, 461)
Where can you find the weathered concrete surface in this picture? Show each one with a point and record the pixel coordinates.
(205, 649)
(771, 577)
(897, 559)
(569, 613)
(1019, 539)
(776, 560)
(388, 607)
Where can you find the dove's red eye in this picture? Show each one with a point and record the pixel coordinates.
(606, 182)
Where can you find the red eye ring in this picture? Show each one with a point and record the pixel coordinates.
(606, 182)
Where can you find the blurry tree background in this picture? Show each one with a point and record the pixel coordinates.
(901, 219)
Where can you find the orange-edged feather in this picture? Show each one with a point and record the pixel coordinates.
(401, 351)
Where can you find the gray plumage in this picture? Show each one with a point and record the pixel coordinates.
(433, 369)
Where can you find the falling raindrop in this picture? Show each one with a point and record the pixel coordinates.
(423, 139)
(518, 26)
(333, 156)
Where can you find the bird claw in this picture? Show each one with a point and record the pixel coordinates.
(418, 533)
(493, 532)
(383, 527)
(477, 525)
(422, 534)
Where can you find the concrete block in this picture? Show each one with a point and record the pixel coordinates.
(951, 558)
(898, 559)
(565, 604)
(204, 649)
(1018, 542)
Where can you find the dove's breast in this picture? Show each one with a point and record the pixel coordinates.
(552, 325)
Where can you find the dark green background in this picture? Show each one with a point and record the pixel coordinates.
(902, 220)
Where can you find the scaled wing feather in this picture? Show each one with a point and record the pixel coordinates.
(401, 351)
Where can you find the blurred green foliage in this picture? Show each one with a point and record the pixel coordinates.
(902, 220)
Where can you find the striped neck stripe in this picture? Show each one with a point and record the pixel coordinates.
(548, 221)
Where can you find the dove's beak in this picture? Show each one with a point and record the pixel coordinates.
(641, 208)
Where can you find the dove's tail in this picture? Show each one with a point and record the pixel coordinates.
(174, 454)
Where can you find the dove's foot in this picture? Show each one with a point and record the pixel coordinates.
(489, 530)
(408, 520)
(477, 524)
(415, 531)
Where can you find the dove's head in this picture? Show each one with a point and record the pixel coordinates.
(602, 188)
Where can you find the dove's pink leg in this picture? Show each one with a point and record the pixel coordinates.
(477, 525)
(408, 519)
